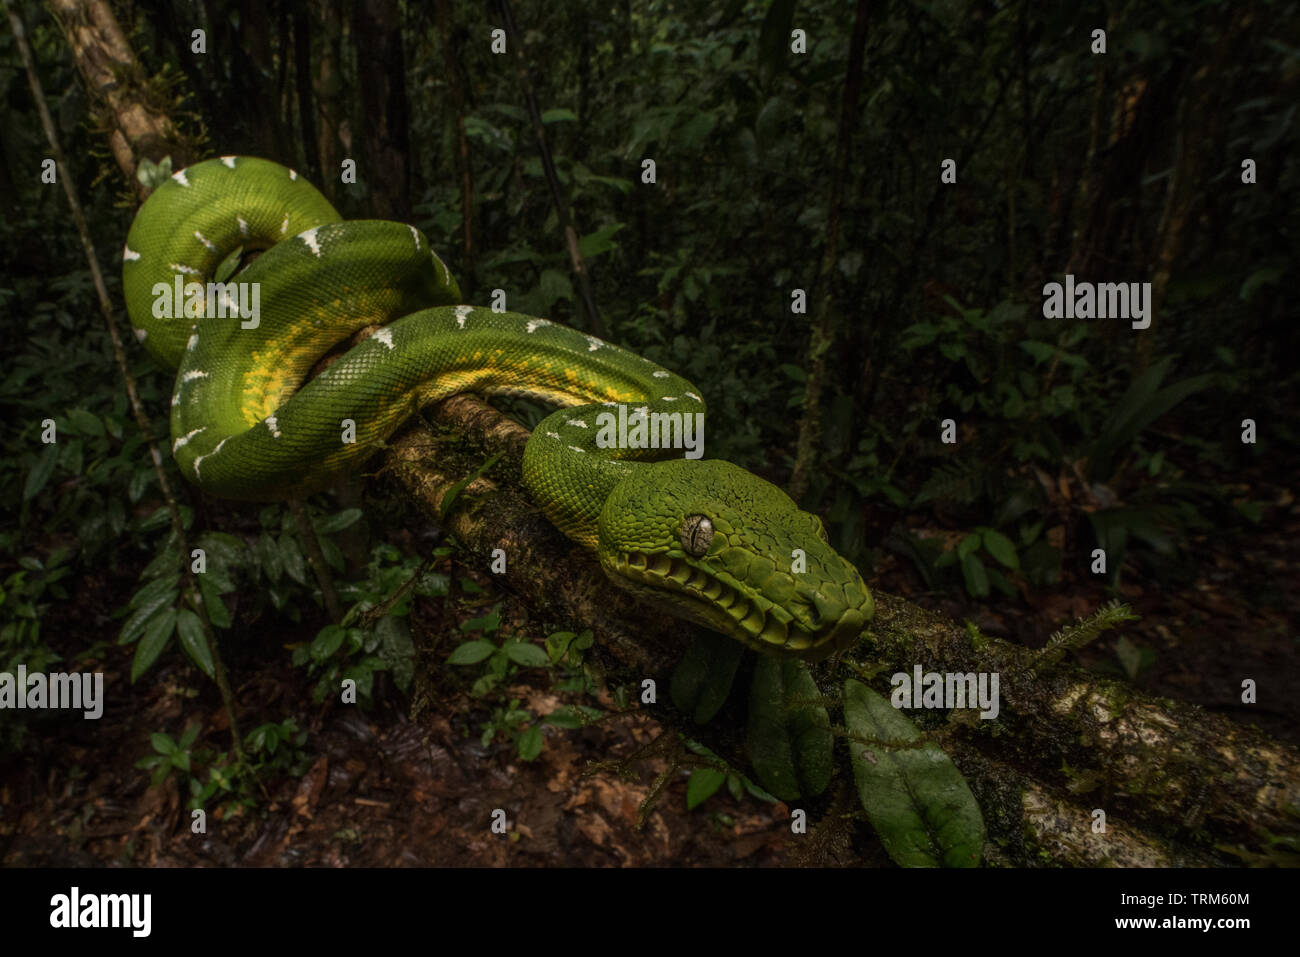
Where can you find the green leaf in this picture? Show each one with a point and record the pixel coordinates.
(471, 652)
(268, 555)
(159, 586)
(1000, 547)
(295, 566)
(135, 625)
(139, 481)
(157, 634)
(1142, 404)
(968, 546)
(397, 649)
(526, 654)
(552, 286)
(702, 679)
(913, 794)
(1260, 277)
(189, 629)
(327, 641)
(338, 521)
(976, 576)
(702, 785)
(488, 623)
(1041, 351)
(41, 471)
(530, 743)
(788, 732)
(697, 129)
(593, 244)
(557, 644)
(87, 423)
(559, 115)
(565, 717)
(218, 614)
(162, 743)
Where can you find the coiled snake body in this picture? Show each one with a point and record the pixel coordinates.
(711, 541)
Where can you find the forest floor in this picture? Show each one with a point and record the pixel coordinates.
(384, 788)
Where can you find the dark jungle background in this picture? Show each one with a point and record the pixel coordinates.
(924, 302)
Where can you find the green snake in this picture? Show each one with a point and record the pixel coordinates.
(708, 540)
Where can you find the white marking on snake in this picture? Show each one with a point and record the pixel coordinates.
(176, 399)
(232, 306)
(609, 403)
(694, 396)
(534, 323)
(576, 449)
(670, 398)
(272, 425)
(141, 334)
(462, 312)
(185, 438)
(184, 269)
(284, 226)
(292, 174)
(446, 273)
(205, 241)
(660, 374)
(243, 226)
(180, 178)
(229, 161)
(192, 375)
(578, 422)
(643, 411)
(593, 343)
(385, 336)
(554, 435)
(416, 233)
(200, 458)
(129, 254)
(194, 341)
(309, 237)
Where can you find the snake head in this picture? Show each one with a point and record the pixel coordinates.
(720, 546)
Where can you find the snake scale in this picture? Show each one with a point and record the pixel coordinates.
(706, 539)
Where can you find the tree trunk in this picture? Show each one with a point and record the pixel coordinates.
(114, 78)
(385, 134)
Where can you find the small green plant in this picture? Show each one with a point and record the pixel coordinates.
(270, 749)
(523, 729)
(24, 598)
(706, 780)
(375, 633)
(498, 660)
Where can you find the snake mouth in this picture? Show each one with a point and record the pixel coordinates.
(738, 612)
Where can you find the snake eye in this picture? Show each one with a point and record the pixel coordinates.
(697, 534)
